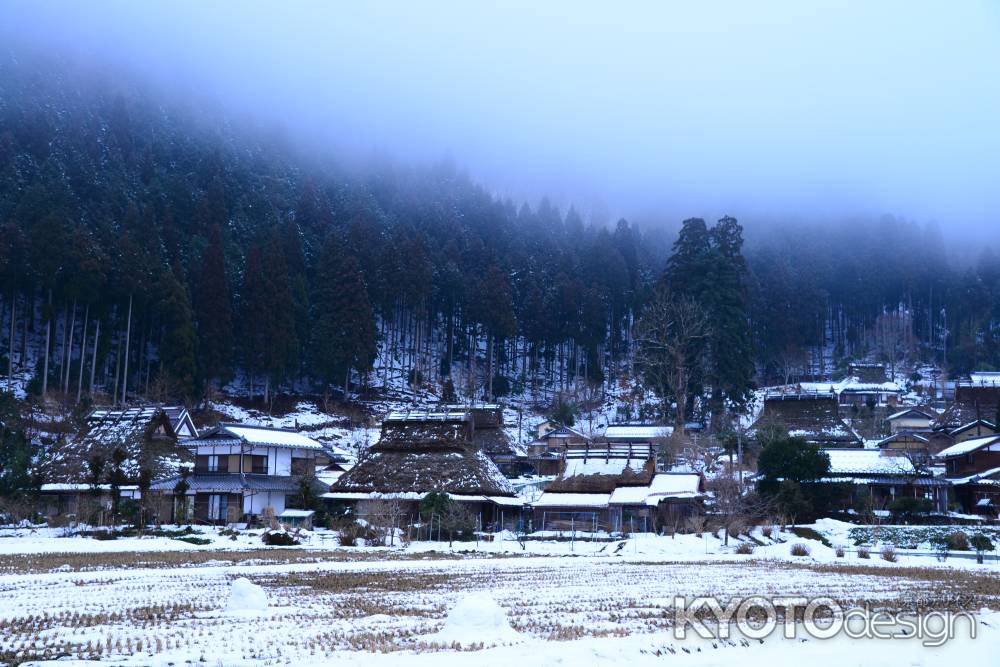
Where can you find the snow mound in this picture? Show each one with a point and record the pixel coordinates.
(476, 618)
(245, 595)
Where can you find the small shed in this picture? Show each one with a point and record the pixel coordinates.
(297, 518)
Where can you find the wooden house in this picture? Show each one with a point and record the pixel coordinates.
(882, 476)
(853, 392)
(811, 415)
(972, 467)
(547, 452)
(868, 372)
(632, 501)
(978, 428)
(144, 435)
(181, 422)
(906, 440)
(81, 502)
(911, 419)
(637, 433)
(612, 487)
(240, 471)
(424, 451)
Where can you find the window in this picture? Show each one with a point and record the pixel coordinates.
(218, 463)
(302, 466)
(218, 507)
(258, 464)
(211, 463)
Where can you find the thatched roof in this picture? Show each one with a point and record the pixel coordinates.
(144, 434)
(602, 470)
(812, 417)
(424, 457)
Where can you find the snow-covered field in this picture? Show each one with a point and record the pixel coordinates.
(560, 602)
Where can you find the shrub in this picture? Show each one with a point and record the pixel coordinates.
(907, 506)
(810, 534)
(767, 531)
(745, 548)
(981, 544)
(200, 541)
(863, 552)
(958, 541)
(352, 532)
(839, 551)
(800, 549)
(889, 554)
(349, 535)
(278, 538)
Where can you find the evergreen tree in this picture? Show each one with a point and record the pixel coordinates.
(214, 307)
(178, 345)
(343, 329)
(267, 316)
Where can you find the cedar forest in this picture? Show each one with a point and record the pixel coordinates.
(155, 252)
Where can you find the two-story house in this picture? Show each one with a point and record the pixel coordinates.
(239, 471)
(973, 469)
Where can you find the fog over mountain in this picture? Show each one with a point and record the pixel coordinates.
(656, 111)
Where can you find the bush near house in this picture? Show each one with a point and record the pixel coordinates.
(913, 537)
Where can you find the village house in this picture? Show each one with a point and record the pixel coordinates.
(143, 437)
(977, 398)
(240, 471)
(881, 476)
(911, 419)
(614, 488)
(972, 467)
(421, 451)
(807, 414)
(180, 420)
(489, 436)
(637, 433)
(546, 453)
(81, 502)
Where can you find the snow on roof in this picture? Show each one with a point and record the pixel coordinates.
(411, 495)
(967, 446)
(573, 500)
(917, 412)
(901, 435)
(602, 466)
(57, 488)
(974, 422)
(274, 437)
(983, 476)
(867, 461)
(663, 485)
(296, 514)
(637, 431)
(854, 385)
(443, 414)
(984, 379)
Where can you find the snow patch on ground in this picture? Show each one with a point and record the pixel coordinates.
(244, 596)
(476, 619)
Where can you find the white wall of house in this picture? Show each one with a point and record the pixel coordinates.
(257, 502)
(910, 424)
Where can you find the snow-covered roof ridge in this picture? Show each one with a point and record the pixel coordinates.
(867, 461)
(269, 436)
(967, 446)
(917, 410)
(637, 431)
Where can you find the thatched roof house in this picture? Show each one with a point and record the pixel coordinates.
(808, 415)
(420, 454)
(145, 435)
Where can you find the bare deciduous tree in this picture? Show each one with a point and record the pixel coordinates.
(670, 342)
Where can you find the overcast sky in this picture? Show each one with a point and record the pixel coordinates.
(645, 109)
